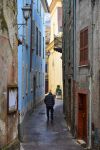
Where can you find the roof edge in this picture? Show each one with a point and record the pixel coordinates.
(45, 5)
(52, 5)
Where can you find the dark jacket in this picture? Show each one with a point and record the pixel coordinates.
(49, 100)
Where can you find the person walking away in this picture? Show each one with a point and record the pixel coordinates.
(50, 102)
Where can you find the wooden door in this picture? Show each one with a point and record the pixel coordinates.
(82, 117)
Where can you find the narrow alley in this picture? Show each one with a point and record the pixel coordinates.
(49, 49)
(39, 135)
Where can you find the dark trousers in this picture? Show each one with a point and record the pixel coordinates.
(50, 109)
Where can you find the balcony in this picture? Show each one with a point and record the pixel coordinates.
(58, 43)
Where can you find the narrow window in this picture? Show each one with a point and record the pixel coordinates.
(39, 80)
(39, 43)
(31, 81)
(23, 78)
(26, 79)
(59, 11)
(43, 47)
(84, 46)
(37, 5)
(46, 67)
(40, 8)
(36, 79)
(36, 41)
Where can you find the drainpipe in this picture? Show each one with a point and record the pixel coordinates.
(31, 35)
(74, 62)
(90, 78)
(90, 109)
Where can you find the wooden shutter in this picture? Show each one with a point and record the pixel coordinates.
(84, 46)
(36, 41)
(39, 43)
(33, 35)
(59, 9)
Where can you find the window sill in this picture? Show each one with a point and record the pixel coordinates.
(81, 66)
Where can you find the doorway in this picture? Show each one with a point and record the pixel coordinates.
(82, 117)
(34, 91)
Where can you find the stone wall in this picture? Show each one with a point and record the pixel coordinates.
(88, 15)
(8, 67)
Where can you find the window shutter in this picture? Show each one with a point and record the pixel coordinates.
(36, 41)
(84, 46)
(33, 35)
(59, 11)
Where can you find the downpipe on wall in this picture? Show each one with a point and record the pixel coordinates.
(90, 109)
(90, 79)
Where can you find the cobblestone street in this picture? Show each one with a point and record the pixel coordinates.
(39, 135)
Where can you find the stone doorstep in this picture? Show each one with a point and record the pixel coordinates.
(82, 143)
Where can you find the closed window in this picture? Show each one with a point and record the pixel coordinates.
(84, 46)
(39, 43)
(36, 41)
(23, 79)
(26, 79)
(59, 11)
(43, 48)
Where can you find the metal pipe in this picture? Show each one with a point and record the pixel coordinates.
(74, 63)
(90, 80)
(90, 109)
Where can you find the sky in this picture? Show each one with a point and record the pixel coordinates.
(47, 16)
(49, 1)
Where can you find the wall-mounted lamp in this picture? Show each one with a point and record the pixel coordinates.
(26, 12)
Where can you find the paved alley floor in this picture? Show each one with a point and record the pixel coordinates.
(38, 135)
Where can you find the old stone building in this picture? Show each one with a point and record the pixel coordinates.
(54, 60)
(83, 47)
(68, 62)
(47, 37)
(88, 70)
(8, 70)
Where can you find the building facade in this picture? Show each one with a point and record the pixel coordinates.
(68, 63)
(87, 65)
(8, 75)
(47, 36)
(54, 60)
(31, 58)
(85, 72)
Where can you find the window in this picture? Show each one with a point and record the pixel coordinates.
(36, 41)
(46, 67)
(43, 79)
(39, 80)
(84, 46)
(23, 79)
(43, 47)
(40, 8)
(31, 81)
(59, 11)
(39, 43)
(37, 5)
(43, 18)
(36, 79)
(33, 34)
(26, 79)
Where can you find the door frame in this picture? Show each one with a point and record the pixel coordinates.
(83, 112)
